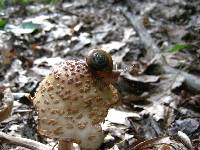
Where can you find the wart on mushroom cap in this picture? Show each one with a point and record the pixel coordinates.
(71, 105)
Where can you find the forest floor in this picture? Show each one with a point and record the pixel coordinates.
(155, 44)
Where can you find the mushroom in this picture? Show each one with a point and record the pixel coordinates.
(74, 99)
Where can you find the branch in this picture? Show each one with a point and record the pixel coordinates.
(153, 51)
(191, 81)
(145, 37)
(27, 143)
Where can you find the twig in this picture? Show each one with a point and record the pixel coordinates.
(145, 38)
(27, 143)
(20, 95)
(153, 51)
(191, 81)
(148, 143)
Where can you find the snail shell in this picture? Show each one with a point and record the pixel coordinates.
(99, 60)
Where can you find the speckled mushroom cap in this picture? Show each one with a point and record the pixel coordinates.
(71, 104)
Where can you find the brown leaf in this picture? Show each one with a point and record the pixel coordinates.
(6, 108)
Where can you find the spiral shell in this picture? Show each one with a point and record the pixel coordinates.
(99, 60)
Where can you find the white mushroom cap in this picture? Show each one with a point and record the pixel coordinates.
(71, 105)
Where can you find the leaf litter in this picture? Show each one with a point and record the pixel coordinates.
(158, 110)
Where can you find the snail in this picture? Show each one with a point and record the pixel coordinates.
(100, 64)
(99, 60)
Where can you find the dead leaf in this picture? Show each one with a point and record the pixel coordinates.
(141, 78)
(6, 108)
(120, 117)
(113, 45)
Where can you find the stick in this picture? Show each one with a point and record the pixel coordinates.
(191, 81)
(27, 143)
(153, 51)
(145, 38)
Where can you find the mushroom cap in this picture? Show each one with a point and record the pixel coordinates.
(71, 104)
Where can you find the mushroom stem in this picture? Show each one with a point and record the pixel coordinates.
(65, 145)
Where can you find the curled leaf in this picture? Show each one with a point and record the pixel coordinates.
(6, 108)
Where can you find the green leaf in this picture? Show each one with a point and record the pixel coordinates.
(25, 2)
(3, 22)
(179, 47)
(51, 1)
(22, 2)
(29, 25)
(25, 28)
